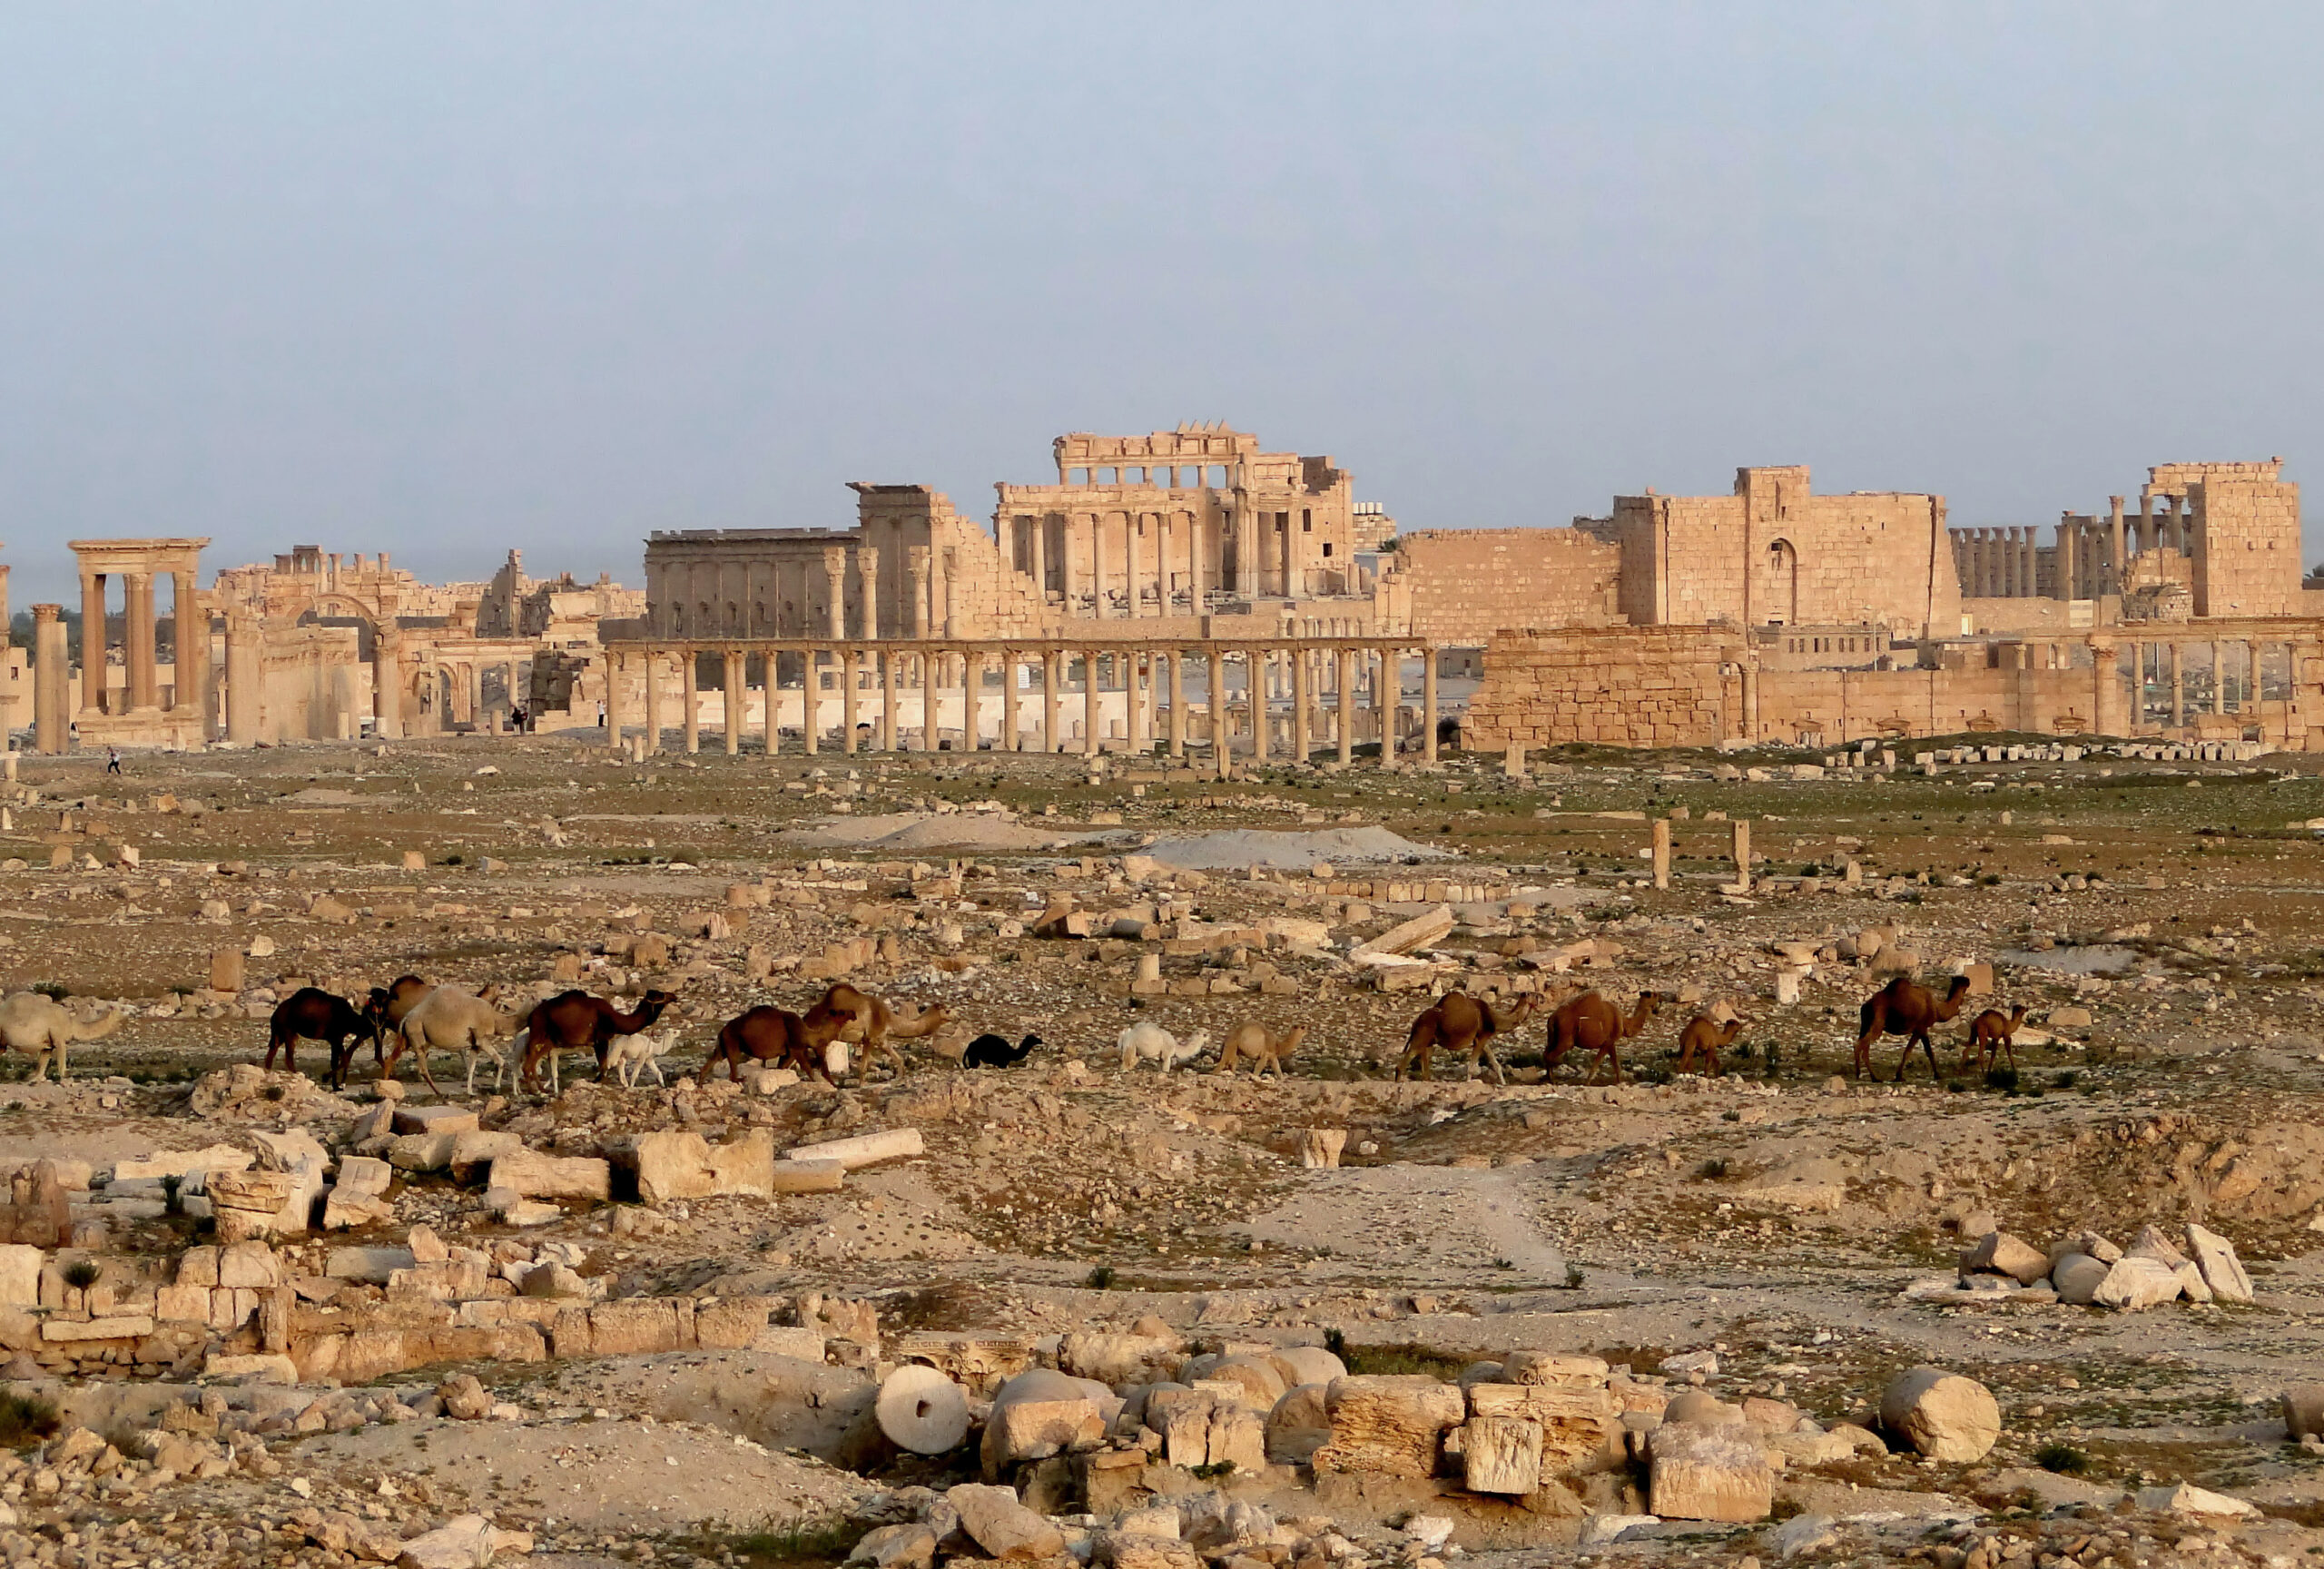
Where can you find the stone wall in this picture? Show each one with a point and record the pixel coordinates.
(2247, 545)
(1623, 687)
(1774, 551)
(1466, 583)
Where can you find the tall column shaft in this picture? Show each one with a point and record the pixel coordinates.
(1303, 701)
(245, 673)
(1428, 706)
(1041, 531)
(1097, 566)
(652, 701)
(867, 567)
(1049, 700)
(1010, 740)
(93, 642)
(732, 699)
(1347, 705)
(386, 675)
(189, 635)
(613, 691)
(1177, 704)
(51, 683)
(690, 698)
(888, 701)
(1090, 711)
(851, 673)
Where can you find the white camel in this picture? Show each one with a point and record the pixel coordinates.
(41, 1025)
(1149, 1041)
(626, 1054)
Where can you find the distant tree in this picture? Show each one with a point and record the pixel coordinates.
(20, 629)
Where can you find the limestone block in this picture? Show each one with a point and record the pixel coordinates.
(1237, 1437)
(1578, 1425)
(1942, 1414)
(1708, 1474)
(636, 1325)
(1117, 1359)
(2304, 1411)
(805, 1176)
(374, 1266)
(531, 1175)
(2003, 1254)
(2222, 1271)
(123, 1326)
(1500, 1455)
(2136, 1281)
(1394, 1424)
(730, 1323)
(1306, 1365)
(434, 1120)
(1003, 1527)
(360, 1176)
(474, 1147)
(1550, 1368)
(421, 1151)
(467, 1542)
(2077, 1278)
(250, 1265)
(1039, 1414)
(20, 1266)
(182, 1304)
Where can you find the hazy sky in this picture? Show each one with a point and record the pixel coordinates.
(449, 279)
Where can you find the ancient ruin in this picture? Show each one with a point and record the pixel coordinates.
(1178, 1030)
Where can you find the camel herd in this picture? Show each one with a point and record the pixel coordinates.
(408, 1015)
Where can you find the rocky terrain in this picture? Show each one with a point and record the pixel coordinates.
(1066, 1310)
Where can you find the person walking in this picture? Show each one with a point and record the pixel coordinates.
(113, 759)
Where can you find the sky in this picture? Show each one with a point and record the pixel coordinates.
(447, 280)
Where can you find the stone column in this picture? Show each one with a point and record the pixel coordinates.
(653, 702)
(1049, 700)
(2251, 678)
(1347, 705)
(1661, 828)
(245, 676)
(915, 571)
(971, 689)
(888, 701)
(2219, 677)
(1097, 566)
(190, 630)
(850, 667)
(1246, 552)
(1255, 700)
(1428, 706)
(2178, 690)
(386, 674)
(2146, 534)
(1090, 714)
(867, 567)
(731, 699)
(93, 642)
(2029, 563)
(1041, 561)
(1177, 702)
(1303, 701)
(1194, 564)
(2067, 587)
(1388, 701)
(1008, 733)
(51, 680)
(1132, 702)
(2116, 557)
(689, 702)
(2105, 681)
(835, 592)
(1742, 853)
(1162, 563)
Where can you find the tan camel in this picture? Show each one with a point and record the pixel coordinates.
(1905, 1006)
(1590, 1023)
(450, 1019)
(1265, 1049)
(1701, 1035)
(44, 1027)
(1991, 1033)
(843, 1013)
(1460, 1022)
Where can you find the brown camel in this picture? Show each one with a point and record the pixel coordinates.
(1460, 1022)
(384, 1010)
(1265, 1049)
(843, 1013)
(577, 1022)
(1991, 1033)
(774, 1035)
(312, 1015)
(1905, 1006)
(1701, 1035)
(1590, 1023)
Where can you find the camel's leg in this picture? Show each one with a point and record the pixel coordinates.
(2009, 1044)
(655, 1062)
(1500, 1074)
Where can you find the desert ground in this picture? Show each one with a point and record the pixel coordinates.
(465, 1331)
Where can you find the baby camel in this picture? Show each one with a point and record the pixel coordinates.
(1991, 1034)
(627, 1053)
(1701, 1035)
(1265, 1049)
(1592, 1025)
(46, 1028)
(995, 1052)
(1905, 1006)
(1460, 1022)
(1148, 1040)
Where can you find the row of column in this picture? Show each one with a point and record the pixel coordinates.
(1088, 568)
(2094, 554)
(1996, 563)
(139, 657)
(2163, 667)
(1143, 676)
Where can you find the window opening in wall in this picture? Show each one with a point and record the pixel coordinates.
(1327, 549)
(1076, 475)
(1307, 520)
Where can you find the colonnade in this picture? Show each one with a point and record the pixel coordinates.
(2094, 553)
(2234, 679)
(1295, 694)
(1996, 563)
